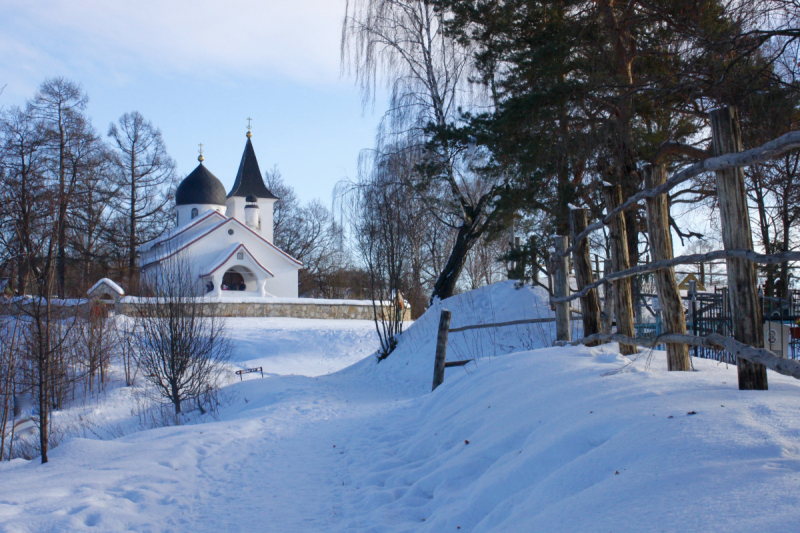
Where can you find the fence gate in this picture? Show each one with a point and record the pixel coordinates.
(711, 313)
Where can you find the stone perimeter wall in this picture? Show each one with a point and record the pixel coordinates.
(287, 310)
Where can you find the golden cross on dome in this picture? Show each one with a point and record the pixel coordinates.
(249, 134)
(200, 151)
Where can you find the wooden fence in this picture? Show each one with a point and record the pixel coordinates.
(440, 362)
(748, 337)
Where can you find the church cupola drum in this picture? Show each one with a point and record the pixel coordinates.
(199, 192)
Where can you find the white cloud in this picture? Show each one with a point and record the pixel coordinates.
(298, 39)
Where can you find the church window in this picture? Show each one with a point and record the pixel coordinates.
(230, 232)
(240, 255)
(194, 212)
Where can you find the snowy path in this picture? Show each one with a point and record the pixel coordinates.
(270, 467)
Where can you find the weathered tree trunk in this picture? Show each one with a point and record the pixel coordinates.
(466, 237)
(667, 287)
(620, 261)
(786, 206)
(61, 254)
(590, 304)
(176, 397)
(43, 389)
(608, 294)
(736, 234)
(763, 223)
(132, 240)
(561, 288)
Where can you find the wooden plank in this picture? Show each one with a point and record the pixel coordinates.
(590, 304)
(503, 324)
(561, 288)
(450, 364)
(620, 260)
(441, 349)
(749, 255)
(669, 296)
(736, 234)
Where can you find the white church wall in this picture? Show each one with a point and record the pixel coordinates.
(155, 274)
(184, 212)
(266, 208)
(209, 248)
(235, 209)
(284, 284)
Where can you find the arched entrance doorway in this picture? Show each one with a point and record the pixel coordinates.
(239, 278)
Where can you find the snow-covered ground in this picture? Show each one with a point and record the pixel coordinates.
(300, 346)
(526, 439)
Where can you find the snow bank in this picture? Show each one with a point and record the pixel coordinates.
(548, 440)
(410, 366)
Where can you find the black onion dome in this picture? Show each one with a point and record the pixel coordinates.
(200, 187)
(248, 179)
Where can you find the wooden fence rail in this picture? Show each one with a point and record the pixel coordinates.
(750, 255)
(440, 362)
(503, 324)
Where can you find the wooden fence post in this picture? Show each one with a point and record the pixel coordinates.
(590, 304)
(667, 287)
(726, 138)
(561, 288)
(441, 349)
(623, 304)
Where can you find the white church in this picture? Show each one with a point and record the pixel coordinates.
(227, 238)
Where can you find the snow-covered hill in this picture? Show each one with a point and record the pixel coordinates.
(528, 439)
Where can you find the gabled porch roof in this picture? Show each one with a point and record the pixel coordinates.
(226, 260)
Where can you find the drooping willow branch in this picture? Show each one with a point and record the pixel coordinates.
(750, 255)
(770, 150)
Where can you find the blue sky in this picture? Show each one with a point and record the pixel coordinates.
(197, 70)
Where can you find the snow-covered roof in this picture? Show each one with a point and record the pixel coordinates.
(227, 254)
(105, 282)
(174, 232)
(169, 252)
